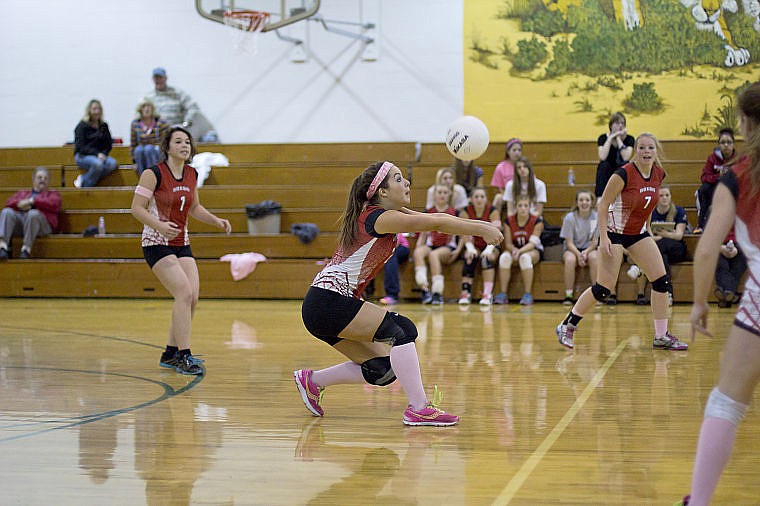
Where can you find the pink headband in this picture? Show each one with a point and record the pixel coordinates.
(379, 178)
(512, 142)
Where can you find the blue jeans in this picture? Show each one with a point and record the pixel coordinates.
(391, 277)
(96, 168)
(146, 155)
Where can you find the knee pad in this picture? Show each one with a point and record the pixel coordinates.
(378, 371)
(468, 268)
(661, 284)
(525, 261)
(719, 405)
(420, 276)
(395, 330)
(486, 263)
(505, 260)
(600, 293)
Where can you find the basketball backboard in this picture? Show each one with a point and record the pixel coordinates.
(282, 12)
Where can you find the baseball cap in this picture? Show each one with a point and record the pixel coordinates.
(159, 71)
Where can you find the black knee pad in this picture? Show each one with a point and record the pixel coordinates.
(378, 371)
(388, 331)
(468, 268)
(661, 284)
(486, 263)
(408, 327)
(600, 293)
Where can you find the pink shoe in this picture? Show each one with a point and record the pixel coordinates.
(388, 300)
(430, 414)
(311, 394)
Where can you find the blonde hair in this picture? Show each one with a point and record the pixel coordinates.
(143, 103)
(660, 156)
(749, 105)
(86, 118)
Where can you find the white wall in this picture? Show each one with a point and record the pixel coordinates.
(55, 55)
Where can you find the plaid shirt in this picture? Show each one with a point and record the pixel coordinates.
(141, 135)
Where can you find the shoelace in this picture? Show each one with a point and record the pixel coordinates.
(437, 398)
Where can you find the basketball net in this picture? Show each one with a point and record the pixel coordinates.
(247, 29)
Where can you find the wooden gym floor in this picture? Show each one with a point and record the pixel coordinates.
(88, 417)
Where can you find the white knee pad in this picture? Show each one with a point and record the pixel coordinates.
(719, 405)
(437, 286)
(505, 260)
(420, 275)
(526, 262)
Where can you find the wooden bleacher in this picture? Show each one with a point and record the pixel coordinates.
(311, 182)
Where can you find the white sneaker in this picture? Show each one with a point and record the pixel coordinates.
(464, 298)
(487, 300)
(78, 181)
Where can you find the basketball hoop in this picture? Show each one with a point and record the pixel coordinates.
(248, 26)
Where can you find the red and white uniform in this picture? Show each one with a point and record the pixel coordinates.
(349, 271)
(171, 201)
(629, 212)
(521, 235)
(747, 230)
(477, 241)
(437, 239)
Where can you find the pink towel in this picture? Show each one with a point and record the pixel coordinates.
(242, 264)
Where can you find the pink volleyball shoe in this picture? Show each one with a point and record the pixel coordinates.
(311, 394)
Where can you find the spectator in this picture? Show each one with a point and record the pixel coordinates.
(147, 130)
(522, 246)
(438, 248)
(729, 271)
(581, 235)
(467, 174)
(615, 149)
(92, 143)
(447, 177)
(715, 166)
(29, 213)
(477, 251)
(390, 270)
(505, 171)
(525, 183)
(668, 225)
(177, 107)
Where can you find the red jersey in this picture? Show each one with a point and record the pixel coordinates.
(171, 201)
(747, 223)
(477, 241)
(521, 234)
(438, 239)
(349, 271)
(629, 212)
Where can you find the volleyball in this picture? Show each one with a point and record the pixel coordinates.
(467, 138)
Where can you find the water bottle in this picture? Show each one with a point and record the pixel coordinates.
(571, 177)
(101, 227)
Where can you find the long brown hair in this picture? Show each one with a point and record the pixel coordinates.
(749, 105)
(357, 200)
(517, 181)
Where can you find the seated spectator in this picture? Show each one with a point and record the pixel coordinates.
(467, 174)
(715, 166)
(729, 271)
(477, 251)
(614, 150)
(447, 176)
(581, 235)
(177, 107)
(438, 248)
(146, 131)
(390, 270)
(92, 143)
(668, 225)
(29, 214)
(522, 246)
(525, 183)
(505, 171)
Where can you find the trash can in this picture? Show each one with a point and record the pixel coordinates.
(263, 218)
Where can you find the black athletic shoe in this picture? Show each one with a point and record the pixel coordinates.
(186, 366)
(169, 360)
